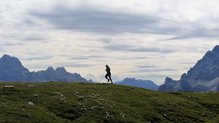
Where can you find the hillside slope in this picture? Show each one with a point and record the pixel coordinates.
(84, 102)
(146, 84)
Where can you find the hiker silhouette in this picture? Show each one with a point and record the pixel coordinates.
(108, 74)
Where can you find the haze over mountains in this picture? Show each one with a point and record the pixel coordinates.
(203, 77)
(11, 70)
(147, 84)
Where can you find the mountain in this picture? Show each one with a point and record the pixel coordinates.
(12, 70)
(147, 84)
(203, 77)
(59, 75)
(103, 103)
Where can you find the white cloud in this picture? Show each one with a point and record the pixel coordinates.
(179, 33)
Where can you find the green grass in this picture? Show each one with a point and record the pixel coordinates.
(98, 103)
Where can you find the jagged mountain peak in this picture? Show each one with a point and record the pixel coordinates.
(60, 69)
(12, 70)
(6, 56)
(216, 49)
(208, 55)
(211, 55)
(168, 80)
(199, 77)
(9, 62)
(214, 53)
(50, 69)
(207, 68)
(9, 58)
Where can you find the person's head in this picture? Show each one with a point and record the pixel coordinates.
(107, 65)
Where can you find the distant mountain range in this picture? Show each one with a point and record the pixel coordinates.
(11, 70)
(147, 84)
(203, 77)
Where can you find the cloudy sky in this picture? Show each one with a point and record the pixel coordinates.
(146, 39)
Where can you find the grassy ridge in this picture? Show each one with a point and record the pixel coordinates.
(91, 103)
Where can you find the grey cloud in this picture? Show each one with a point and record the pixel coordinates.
(79, 58)
(104, 58)
(80, 65)
(75, 65)
(30, 22)
(88, 57)
(195, 32)
(90, 20)
(166, 69)
(36, 53)
(146, 66)
(11, 44)
(176, 38)
(153, 70)
(35, 37)
(134, 58)
(23, 38)
(38, 58)
(132, 48)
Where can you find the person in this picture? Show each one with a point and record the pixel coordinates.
(108, 74)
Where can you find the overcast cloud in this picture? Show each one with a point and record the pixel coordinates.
(147, 39)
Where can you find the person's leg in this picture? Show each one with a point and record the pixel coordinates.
(106, 76)
(110, 79)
